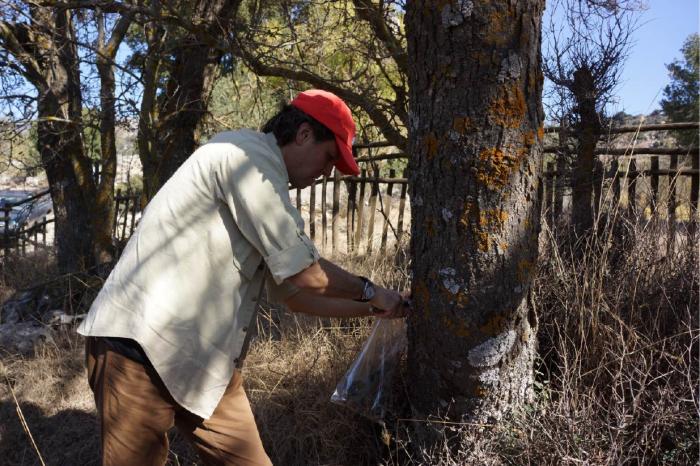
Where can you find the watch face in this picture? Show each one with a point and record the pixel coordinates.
(369, 290)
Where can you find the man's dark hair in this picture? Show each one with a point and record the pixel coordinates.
(285, 124)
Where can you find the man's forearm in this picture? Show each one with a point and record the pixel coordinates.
(326, 307)
(327, 279)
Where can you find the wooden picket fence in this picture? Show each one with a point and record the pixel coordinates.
(369, 212)
(620, 174)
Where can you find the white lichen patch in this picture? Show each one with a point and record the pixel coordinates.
(490, 376)
(455, 14)
(449, 281)
(511, 67)
(490, 352)
(446, 214)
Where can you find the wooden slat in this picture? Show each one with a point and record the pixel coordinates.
(402, 207)
(324, 221)
(126, 211)
(386, 209)
(549, 192)
(372, 211)
(640, 128)
(654, 184)
(694, 187)
(117, 201)
(350, 219)
(597, 187)
(312, 211)
(360, 213)
(672, 166)
(335, 219)
(298, 200)
(632, 185)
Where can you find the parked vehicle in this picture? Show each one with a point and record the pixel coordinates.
(22, 210)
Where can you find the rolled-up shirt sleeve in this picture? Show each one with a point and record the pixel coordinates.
(253, 183)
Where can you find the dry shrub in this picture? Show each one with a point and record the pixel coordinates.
(617, 375)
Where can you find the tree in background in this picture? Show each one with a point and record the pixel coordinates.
(475, 132)
(41, 59)
(680, 101)
(587, 44)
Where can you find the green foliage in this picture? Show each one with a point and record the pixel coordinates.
(680, 102)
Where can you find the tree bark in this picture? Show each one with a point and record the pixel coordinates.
(174, 132)
(588, 134)
(103, 207)
(59, 138)
(476, 132)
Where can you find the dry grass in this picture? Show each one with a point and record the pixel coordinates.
(616, 380)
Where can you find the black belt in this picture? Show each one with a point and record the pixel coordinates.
(127, 348)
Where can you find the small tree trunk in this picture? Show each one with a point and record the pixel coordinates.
(588, 134)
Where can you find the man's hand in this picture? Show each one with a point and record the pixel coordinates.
(389, 304)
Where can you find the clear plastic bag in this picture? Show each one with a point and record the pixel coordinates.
(366, 386)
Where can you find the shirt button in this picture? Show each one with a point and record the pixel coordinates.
(245, 329)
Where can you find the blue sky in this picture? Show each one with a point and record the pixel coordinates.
(663, 28)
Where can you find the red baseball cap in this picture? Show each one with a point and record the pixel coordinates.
(330, 110)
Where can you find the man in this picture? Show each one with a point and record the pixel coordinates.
(168, 332)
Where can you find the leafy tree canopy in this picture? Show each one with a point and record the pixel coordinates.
(680, 101)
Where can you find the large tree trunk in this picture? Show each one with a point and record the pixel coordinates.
(59, 140)
(587, 135)
(176, 116)
(475, 141)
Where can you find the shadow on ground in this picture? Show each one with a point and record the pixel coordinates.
(68, 438)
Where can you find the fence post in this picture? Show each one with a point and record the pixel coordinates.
(126, 213)
(694, 187)
(324, 221)
(117, 201)
(372, 210)
(312, 211)
(387, 210)
(615, 169)
(549, 192)
(336, 210)
(6, 229)
(360, 211)
(632, 185)
(597, 186)
(350, 218)
(402, 206)
(654, 184)
(299, 200)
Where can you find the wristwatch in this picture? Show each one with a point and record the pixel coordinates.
(368, 290)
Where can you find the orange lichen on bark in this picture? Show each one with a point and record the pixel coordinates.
(524, 270)
(540, 132)
(529, 138)
(469, 213)
(494, 168)
(431, 146)
(422, 297)
(509, 108)
(462, 124)
(483, 242)
(493, 218)
(496, 22)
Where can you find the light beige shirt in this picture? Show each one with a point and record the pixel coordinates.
(186, 285)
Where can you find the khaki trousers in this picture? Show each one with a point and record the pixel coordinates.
(136, 411)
